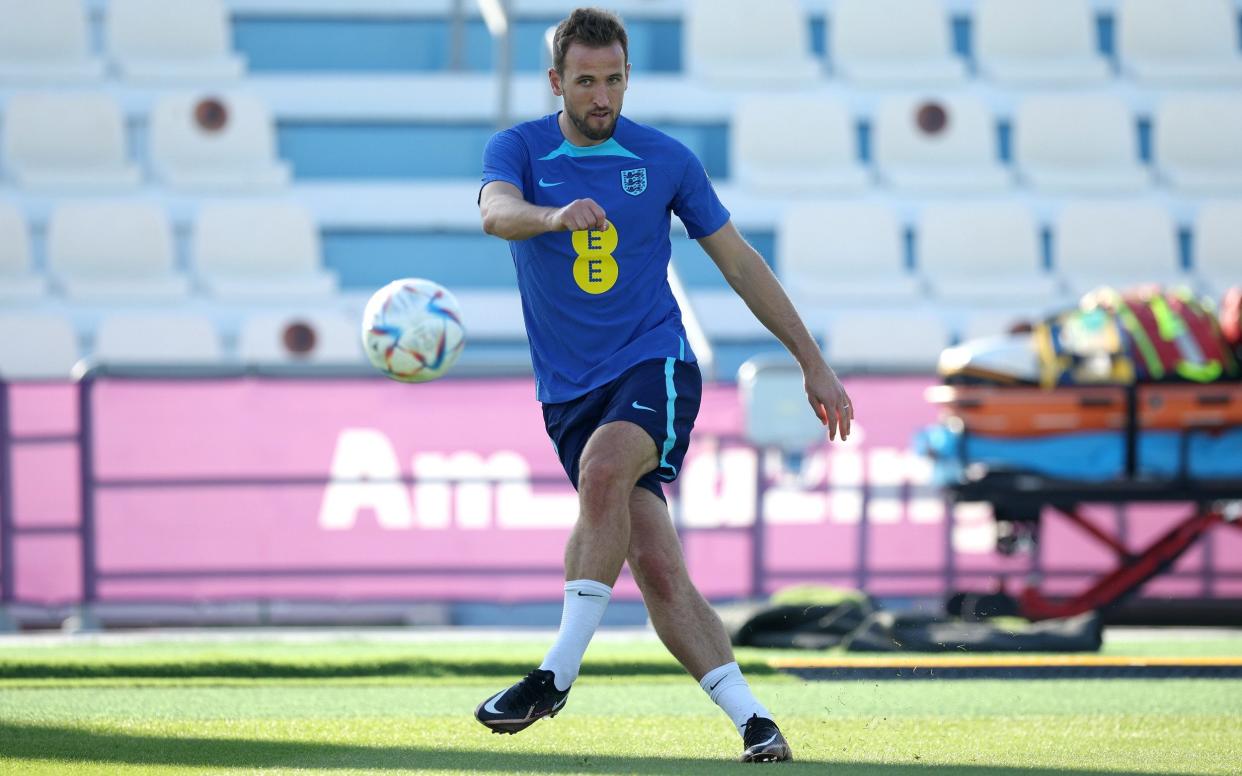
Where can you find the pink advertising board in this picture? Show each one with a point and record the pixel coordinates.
(227, 489)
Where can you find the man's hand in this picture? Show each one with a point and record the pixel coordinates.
(578, 215)
(828, 398)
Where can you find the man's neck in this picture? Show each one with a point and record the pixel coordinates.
(571, 133)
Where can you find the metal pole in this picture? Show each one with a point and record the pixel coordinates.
(504, 65)
(6, 506)
(86, 473)
(757, 529)
(457, 36)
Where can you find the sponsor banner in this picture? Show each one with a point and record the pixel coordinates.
(370, 489)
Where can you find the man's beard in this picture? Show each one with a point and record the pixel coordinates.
(590, 132)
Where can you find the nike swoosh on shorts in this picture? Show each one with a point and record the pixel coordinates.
(638, 406)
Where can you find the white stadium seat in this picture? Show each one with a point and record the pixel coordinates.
(240, 154)
(1080, 143)
(1218, 246)
(67, 141)
(1199, 142)
(938, 144)
(114, 251)
(156, 339)
(816, 153)
(892, 42)
(260, 250)
(45, 41)
(985, 253)
(828, 254)
(1024, 43)
(1179, 41)
(993, 323)
(17, 282)
(890, 340)
(36, 346)
(269, 339)
(1120, 244)
(162, 40)
(743, 43)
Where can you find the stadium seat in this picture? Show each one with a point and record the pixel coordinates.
(1080, 143)
(17, 282)
(156, 339)
(886, 341)
(1179, 41)
(1199, 143)
(985, 253)
(159, 40)
(1020, 43)
(892, 42)
(1120, 244)
(45, 42)
(741, 42)
(114, 251)
(322, 338)
(36, 346)
(1218, 246)
(814, 154)
(938, 144)
(828, 254)
(259, 250)
(67, 141)
(992, 323)
(215, 143)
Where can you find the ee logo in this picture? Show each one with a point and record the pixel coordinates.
(595, 269)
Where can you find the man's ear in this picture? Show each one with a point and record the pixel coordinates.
(554, 79)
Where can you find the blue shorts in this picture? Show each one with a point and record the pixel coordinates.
(660, 396)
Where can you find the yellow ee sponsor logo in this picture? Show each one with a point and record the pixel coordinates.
(595, 269)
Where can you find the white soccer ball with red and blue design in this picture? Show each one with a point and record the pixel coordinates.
(412, 330)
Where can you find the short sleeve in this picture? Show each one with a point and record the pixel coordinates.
(505, 158)
(696, 203)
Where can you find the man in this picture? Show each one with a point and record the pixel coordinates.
(584, 198)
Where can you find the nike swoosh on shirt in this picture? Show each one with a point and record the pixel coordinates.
(549, 184)
(638, 406)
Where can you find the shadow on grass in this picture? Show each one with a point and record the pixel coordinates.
(27, 741)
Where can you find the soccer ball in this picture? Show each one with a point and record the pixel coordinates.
(411, 330)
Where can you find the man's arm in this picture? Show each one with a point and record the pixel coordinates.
(754, 282)
(506, 214)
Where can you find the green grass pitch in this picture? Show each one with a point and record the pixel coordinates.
(385, 707)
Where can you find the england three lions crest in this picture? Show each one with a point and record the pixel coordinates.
(634, 182)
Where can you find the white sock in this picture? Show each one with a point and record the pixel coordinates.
(585, 601)
(728, 690)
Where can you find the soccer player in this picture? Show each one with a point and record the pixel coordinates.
(584, 197)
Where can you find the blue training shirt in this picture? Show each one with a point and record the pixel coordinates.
(597, 303)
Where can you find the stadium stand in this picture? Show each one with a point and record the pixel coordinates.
(1020, 43)
(1198, 140)
(909, 340)
(1183, 42)
(829, 253)
(814, 155)
(215, 143)
(893, 43)
(944, 144)
(18, 281)
(114, 251)
(67, 141)
(260, 251)
(145, 339)
(1078, 144)
(1218, 246)
(300, 338)
(738, 42)
(52, 360)
(46, 42)
(1116, 243)
(984, 253)
(163, 41)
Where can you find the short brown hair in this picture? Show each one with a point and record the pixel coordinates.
(591, 27)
